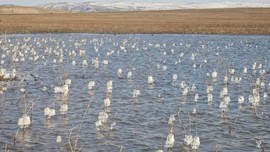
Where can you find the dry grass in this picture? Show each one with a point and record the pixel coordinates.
(201, 21)
(11, 9)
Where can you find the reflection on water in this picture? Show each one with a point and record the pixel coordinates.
(23, 135)
(49, 123)
(181, 66)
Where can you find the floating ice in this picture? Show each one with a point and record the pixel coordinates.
(174, 77)
(150, 80)
(49, 112)
(102, 119)
(91, 85)
(241, 99)
(129, 74)
(109, 86)
(24, 121)
(188, 140)
(68, 82)
(63, 109)
(214, 74)
(170, 141)
(171, 120)
(245, 70)
(84, 63)
(61, 89)
(22, 90)
(107, 102)
(209, 97)
(105, 62)
(136, 93)
(58, 139)
(119, 73)
(196, 97)
(196, 143)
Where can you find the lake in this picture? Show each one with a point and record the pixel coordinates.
(134, 124)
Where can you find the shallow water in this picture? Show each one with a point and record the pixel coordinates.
(141, 123)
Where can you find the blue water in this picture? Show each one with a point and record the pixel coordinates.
(141, 123)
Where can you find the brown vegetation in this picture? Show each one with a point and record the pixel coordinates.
(200, 21)
(12, 9)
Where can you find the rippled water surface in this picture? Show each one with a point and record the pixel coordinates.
(141, 124)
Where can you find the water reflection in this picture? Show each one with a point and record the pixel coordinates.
(49, 123)
(23, 135)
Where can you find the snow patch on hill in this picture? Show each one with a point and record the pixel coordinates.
(141, 6)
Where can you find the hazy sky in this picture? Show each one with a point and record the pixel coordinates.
(37, 2)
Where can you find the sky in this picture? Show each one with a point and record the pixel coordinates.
(38, 2)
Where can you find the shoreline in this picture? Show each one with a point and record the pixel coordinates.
(169, 34)
(229, 21)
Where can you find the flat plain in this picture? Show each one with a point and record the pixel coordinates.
(254, 21)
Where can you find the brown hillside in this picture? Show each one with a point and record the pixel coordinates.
(200, 21)
(11, 9)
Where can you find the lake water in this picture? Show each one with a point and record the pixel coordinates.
(141, 124)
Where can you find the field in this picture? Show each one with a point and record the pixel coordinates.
(196, 21)
(12, 9)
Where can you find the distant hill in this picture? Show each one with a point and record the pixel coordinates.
(142, 6)
(12, 9)
(110, 7)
